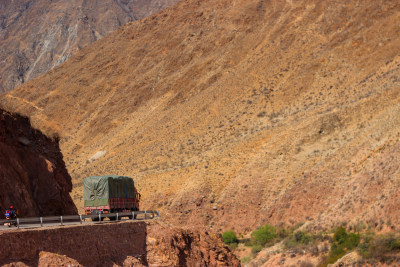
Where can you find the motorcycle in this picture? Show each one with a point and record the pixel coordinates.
(11, 219)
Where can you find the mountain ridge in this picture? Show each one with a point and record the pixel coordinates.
(38, 35)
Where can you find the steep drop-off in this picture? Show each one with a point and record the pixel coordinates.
(237, 113)
(37, 35)
(33, 176)
(115, 244)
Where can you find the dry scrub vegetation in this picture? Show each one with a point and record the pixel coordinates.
(300, 246)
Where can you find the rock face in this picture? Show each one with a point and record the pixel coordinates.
(233, 114)
(37, 35)
(116, 244)
(174, 246)
(33, 176)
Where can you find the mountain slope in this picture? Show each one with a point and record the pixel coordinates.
(38, 35)
(235, 113)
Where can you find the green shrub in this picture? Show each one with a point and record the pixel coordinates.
(229, 237)
(301, 239)
(340, 235)
(345, 240)
(263, 235)
(353, 240)
(342, 244)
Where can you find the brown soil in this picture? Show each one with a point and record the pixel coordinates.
(232, 114)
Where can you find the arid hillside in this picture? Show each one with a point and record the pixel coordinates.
(33, 176)
(236, 113)
(37, 35)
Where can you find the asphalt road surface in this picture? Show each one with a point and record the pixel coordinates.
(55, 221)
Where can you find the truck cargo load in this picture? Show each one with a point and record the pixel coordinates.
(110, 193)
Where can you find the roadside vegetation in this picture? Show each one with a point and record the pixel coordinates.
(230, 238)
(328, 246)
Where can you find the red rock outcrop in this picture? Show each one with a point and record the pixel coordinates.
(33, 176)
(116, 244)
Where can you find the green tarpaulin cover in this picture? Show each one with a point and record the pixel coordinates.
(97, 190)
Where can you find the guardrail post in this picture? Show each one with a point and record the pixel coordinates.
(80, 218)
(61, 219)
(133, 215)
(41, 221)
(145, 214)
(117, 217)
(18, 223)
(99, 217)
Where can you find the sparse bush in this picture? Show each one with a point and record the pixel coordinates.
(359, 226)
(263, 235)
(342, 243)
(302, 239)
(282, 233)
(345, 240)
(379, 247)
(229, 237)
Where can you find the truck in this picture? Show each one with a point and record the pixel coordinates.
(110, 194)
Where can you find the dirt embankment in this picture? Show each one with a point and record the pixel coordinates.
(121, 244)
(33, 176)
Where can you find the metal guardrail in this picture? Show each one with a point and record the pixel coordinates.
(62, 220)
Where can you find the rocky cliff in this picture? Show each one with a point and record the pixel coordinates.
(232, 114)
(33, 176)
(37, 35)
(117, 244)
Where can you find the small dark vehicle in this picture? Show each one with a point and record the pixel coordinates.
(11, 217)
(110, 194)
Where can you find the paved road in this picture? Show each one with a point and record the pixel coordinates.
(26, 223)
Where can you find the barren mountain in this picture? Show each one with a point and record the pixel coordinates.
(236, 113)
(37, 35)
